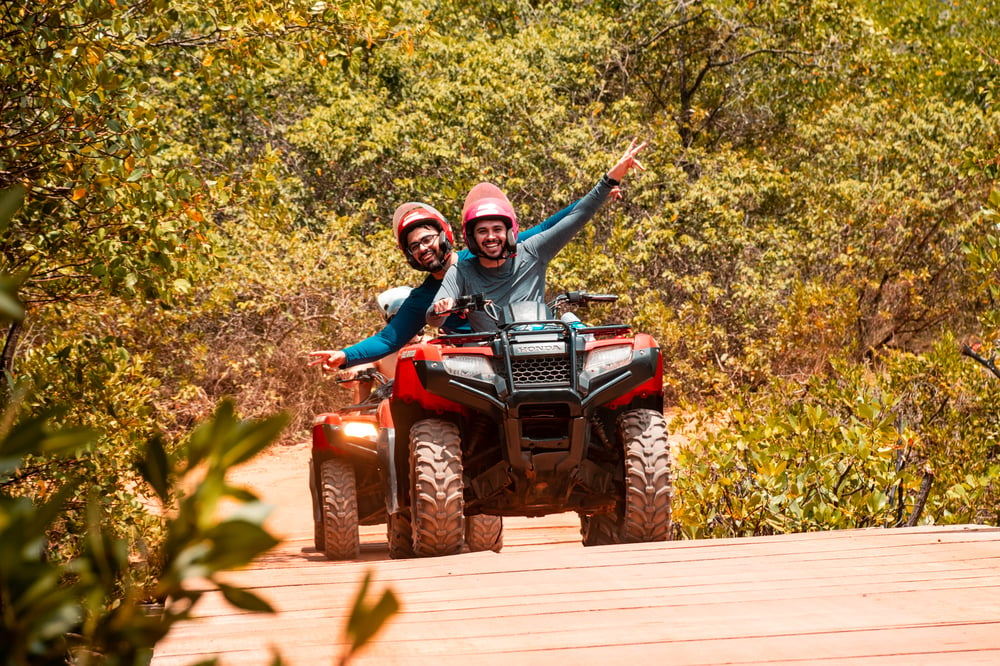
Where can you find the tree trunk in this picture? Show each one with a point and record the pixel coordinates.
(7, 360)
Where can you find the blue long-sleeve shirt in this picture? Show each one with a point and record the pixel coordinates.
(412, 313)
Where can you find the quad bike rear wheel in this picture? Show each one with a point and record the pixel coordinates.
(437, 490)
(400, 533)
(484, 532)
(643, 434)
(601, 529)
(340, 511)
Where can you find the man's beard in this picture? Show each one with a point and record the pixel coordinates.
(436, 264)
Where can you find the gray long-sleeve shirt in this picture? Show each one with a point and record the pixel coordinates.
(521, 277)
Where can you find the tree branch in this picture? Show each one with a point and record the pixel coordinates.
(925, 491)
(989, 364)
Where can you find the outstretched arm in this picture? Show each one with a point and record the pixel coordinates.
(393, 337)
(547, 243)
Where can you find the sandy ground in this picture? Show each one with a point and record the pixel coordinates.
(279, 476)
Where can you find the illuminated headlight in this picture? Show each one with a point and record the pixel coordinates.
(472, 366)
(605, 359)
(361, 430)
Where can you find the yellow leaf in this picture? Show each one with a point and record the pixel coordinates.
(207, 60)
(79, 193)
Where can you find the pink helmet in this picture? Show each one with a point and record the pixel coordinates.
(485, 200)
(411, 215)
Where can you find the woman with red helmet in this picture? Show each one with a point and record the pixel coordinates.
(504, 270)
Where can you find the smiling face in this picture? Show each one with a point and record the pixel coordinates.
(491, 237)
(423, 244)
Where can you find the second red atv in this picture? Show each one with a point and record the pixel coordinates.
(346, 476)
(542, 416)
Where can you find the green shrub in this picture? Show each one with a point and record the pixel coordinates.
(915, 438)
(85, 605)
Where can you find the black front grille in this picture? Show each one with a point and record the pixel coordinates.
(541, 371)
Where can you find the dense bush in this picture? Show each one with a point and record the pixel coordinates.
(906, 439)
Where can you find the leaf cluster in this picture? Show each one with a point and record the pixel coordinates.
(86, 608)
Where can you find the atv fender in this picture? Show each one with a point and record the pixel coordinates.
(393, 481)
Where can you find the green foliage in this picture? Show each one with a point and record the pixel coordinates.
(37, 609)
(952, 406)
(86, 607)
(117, 200)
(850, 449)
(983, 254)
(101, 212)
(10, 306)
(365, 620)
(108, 391)
(827, 462)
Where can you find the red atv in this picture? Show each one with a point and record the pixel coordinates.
(542, 416)
(345, 474)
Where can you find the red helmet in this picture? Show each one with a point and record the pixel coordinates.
(411, 215)
(485, 200)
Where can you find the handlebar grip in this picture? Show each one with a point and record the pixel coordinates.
(366, 375)
(468, 302)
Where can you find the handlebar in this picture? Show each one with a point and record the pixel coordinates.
(370, 375)
(582, 297)
(477, 302)
(480, 302)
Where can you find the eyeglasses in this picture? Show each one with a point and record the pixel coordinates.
(421, 243)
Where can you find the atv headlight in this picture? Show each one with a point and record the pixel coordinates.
(605, 359)
(361, 430)
(472, 366)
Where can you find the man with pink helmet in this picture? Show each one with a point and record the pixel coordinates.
(503, 269)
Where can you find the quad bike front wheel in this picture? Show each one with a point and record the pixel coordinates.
(340, 511)
(437, 490)
(649, 486)
(484, 532)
